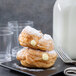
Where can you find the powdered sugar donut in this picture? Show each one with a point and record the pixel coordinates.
(30, 37)
(36, 58)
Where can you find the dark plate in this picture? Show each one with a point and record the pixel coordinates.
(58, 67)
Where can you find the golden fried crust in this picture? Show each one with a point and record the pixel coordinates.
(42, 43)
(33, 58)
(25, 39)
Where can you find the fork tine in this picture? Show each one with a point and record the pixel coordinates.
(60, 55)
(65, 54)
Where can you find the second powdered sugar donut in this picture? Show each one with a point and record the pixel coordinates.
(30, 37)
(36, 58)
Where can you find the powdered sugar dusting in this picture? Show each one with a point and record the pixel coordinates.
(33, 31)
(47, 37)
(19, 53)
(52, 52)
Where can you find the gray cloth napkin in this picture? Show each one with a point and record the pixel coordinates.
(71, 71)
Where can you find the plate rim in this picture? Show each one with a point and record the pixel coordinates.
(8, 67)
(27, 73)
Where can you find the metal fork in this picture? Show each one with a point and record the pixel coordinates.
(64, 56)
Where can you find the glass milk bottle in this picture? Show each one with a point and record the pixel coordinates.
(64, 26)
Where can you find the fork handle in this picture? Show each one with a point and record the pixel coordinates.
(72, 62)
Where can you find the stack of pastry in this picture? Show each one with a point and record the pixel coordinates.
(38, 49)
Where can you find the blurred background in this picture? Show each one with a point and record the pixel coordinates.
(39, 11)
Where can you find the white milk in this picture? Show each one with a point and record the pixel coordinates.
(64, 26)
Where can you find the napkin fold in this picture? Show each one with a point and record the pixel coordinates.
(71, 71)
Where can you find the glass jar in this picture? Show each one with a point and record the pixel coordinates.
(5, 43)
(16, 27)
(64, 26)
